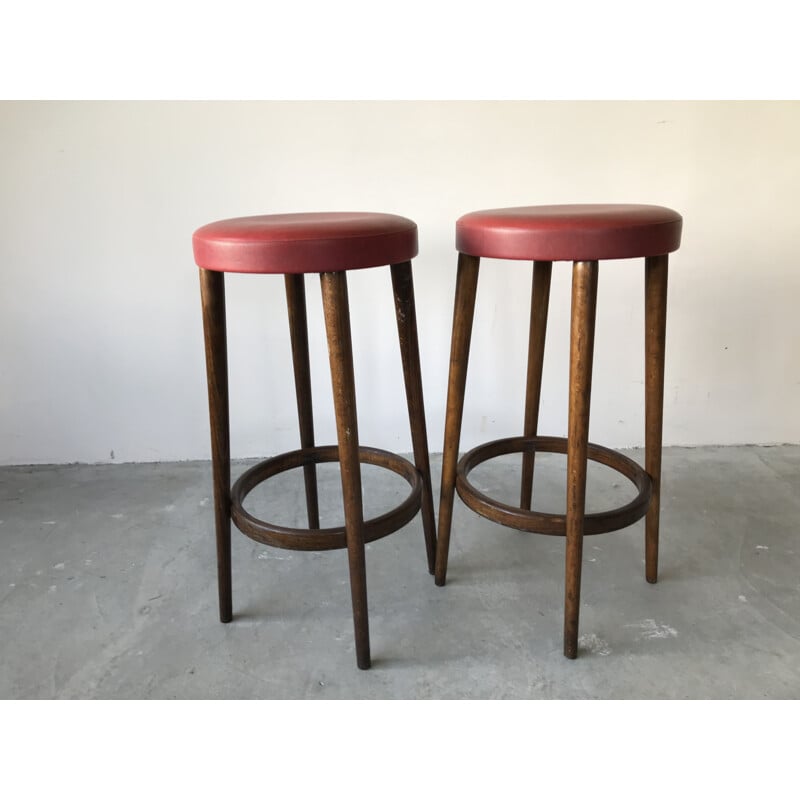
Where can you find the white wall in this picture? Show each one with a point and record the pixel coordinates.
(100, 333)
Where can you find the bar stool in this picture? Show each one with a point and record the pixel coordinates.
(329, 245)
(583, 234)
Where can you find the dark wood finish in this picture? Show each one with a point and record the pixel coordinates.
(655, 293)
(540, 297)
(324, 538)
(298, 332)
(405, 308)
(337, 323)
(538, 521)
(464, 308)
(584, 301)
(212, 294)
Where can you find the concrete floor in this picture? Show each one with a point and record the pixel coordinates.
(108, 590)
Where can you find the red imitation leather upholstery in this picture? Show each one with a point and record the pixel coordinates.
(570, 232)
(292, 243)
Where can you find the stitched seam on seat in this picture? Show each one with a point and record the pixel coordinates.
(237, 240)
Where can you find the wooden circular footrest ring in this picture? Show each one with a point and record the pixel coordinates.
(323, 538)
(552, 524)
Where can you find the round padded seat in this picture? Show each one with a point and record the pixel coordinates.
(570, 232)
(298, 243)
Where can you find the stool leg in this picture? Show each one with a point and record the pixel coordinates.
(403, 286)
(337, 323)
(655, 291)
(584, 300)
(464, 308)
(540, 296)
(298, 331)
(212, 294)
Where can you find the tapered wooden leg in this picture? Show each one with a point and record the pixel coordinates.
(403, 286)
(584, 300)
(298, 331)
(212, 294)
(466, 286)
(337, 323)
(540, 297)
(655, 299)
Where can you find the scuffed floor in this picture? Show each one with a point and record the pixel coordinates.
(108, 590)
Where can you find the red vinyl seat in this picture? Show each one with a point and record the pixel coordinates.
(298, 243)
(569, 232)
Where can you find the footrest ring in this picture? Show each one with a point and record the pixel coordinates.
(552, 524)
(322, 538)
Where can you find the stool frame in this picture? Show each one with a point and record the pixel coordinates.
(574, 523)
(228, 500)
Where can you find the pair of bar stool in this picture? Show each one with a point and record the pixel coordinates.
(331, 244)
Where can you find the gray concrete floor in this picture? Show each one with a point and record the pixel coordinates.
(108, 590)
